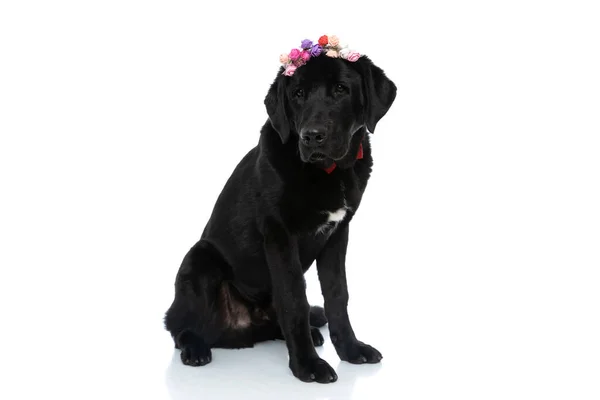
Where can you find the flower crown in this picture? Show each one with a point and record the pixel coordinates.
(329, 46)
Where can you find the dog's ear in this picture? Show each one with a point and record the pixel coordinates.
(380, 92)
(276, 109)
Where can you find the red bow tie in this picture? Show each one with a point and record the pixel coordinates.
(359, 155)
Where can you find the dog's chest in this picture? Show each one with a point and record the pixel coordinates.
(333, 213)
(323, 215)
(318, 209)
(333, 220)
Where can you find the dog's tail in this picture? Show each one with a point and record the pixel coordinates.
(317, 316)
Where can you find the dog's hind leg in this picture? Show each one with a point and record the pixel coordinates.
(317, 316)
(193, 318)
(269, 328)
(273, 332)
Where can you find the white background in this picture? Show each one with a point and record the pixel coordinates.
(474, 259)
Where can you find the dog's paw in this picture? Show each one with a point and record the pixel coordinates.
(196, 356)
(317, 338)
(313, 370)
(357, 352)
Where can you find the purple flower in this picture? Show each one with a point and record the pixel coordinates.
(306, 44)
(316, 50)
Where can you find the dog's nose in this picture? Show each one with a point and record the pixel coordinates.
(313, 137)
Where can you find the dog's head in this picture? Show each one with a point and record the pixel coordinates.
(325, 102)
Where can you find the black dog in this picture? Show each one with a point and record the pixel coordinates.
(288, 203)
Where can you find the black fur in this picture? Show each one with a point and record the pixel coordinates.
(243, 282)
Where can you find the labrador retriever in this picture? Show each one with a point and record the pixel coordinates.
(287, 204)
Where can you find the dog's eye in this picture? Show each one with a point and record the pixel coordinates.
(299, 93)
(339, 88)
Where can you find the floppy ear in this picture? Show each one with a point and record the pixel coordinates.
(380, 92)
(275, 103)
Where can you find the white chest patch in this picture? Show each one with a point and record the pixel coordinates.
(337, 216)
(333, 219)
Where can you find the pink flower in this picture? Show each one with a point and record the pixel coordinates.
(334, 41)
(299, 62)
(305, 55)
(353, 56)
(284, 59)
(294, 54)
(289, 70)
(331, 53)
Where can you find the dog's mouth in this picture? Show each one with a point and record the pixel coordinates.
(316, 156)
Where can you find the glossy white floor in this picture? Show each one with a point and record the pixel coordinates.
(474, 259)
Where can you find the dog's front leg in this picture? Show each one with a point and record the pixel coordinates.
(331, 266)
(291, 305)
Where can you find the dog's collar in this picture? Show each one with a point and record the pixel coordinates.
(333, 166)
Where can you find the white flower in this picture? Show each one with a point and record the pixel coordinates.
(344, 53)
